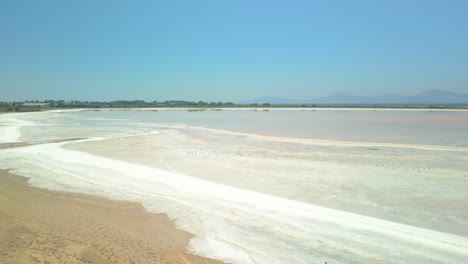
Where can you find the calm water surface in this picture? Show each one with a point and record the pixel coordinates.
(448, 128)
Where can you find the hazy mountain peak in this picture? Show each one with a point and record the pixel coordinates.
(436, 92)
(342, 94)
(431, 96)
(270, 100)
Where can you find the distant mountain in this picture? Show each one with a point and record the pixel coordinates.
(425, 97)
(270, 100)
(438, 96)
(432, 97)
(342, 98)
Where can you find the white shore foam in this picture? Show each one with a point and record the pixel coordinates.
(319, 142)
(229, 223)
(10, 127)
(9, 134)
(237, 225)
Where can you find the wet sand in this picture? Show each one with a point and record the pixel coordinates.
(40, 226)
(31, 143)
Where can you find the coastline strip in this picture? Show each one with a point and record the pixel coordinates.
(190, 199)
(38, 225)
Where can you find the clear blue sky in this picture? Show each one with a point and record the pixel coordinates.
(230, 50)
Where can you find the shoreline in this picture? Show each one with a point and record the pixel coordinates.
(203, 207)
(257, 108)
(274, 138)
(38, 225)
(304, 216)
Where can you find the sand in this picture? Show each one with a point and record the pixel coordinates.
(40, 226)
(249, 198)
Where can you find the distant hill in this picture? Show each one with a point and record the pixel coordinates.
(270, 100)
(432, 97)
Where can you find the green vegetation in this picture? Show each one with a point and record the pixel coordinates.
(29, 106)
(32, 106)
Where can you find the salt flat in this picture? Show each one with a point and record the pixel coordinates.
(251, 196)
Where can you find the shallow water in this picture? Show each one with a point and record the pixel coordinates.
(250, 199)
(415, 127)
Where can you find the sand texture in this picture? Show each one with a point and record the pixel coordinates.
(250, 187)
(39, 226)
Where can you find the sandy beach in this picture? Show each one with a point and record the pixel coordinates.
(194, 132)
(247, 193)
(40, 226)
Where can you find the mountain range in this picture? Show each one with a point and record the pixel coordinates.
(428, 97)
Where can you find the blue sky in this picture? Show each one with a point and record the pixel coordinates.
(229, 50)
